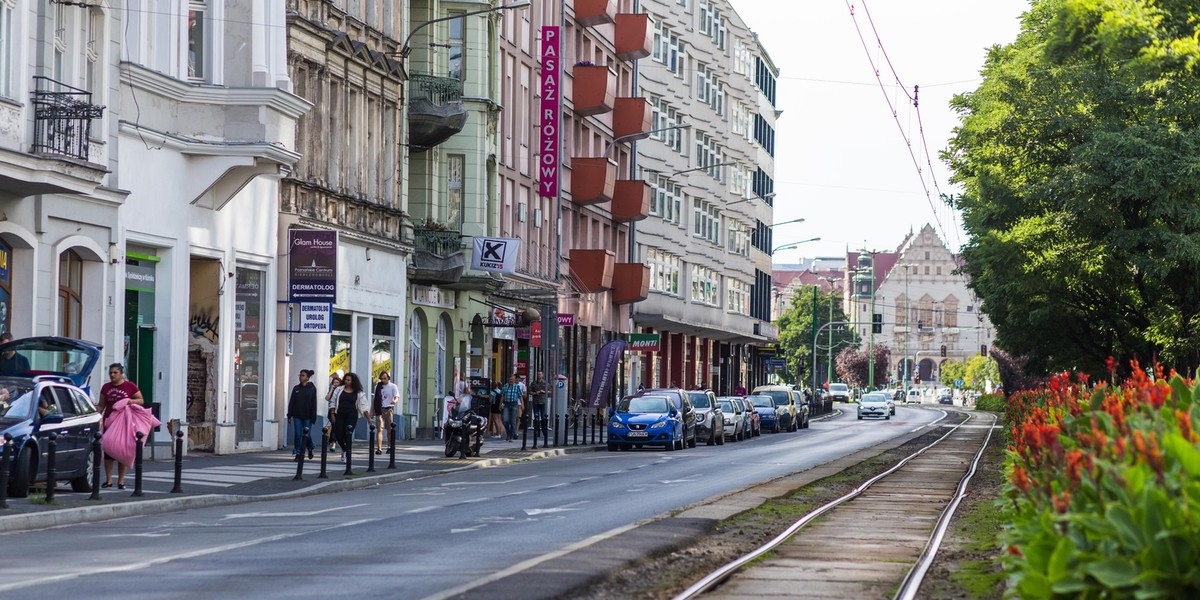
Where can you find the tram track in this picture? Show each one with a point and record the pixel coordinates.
(844, 549)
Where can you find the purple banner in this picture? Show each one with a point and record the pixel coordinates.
(312, 265)
(607, 361)
(548, 162)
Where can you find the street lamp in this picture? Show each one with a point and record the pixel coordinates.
(749, 198)
(703, 167)
(829, 347)
(794, 244)
(404, 47)
(801, 220)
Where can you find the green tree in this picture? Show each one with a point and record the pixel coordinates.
(796, 333)
(952, 371)
(1079, 156)
(981, 369)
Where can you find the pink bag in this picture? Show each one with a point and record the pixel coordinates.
(121, 428)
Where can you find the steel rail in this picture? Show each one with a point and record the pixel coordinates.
(916, 575)
(723, 572)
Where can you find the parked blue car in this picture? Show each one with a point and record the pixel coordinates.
(765, 407)
(644, 420)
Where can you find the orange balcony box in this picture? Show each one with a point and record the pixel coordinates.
(631, 119)
(631, 200)
(592, 270)
(590, 13)
(593, 180)
(634, 36)
(593, 89)
(631, 283)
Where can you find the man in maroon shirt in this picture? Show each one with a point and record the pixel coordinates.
(116, 389)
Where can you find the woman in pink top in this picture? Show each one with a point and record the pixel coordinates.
(118, 388)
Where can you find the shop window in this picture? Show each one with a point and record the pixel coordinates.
(383, 344)
(247, 357)
(5, 287)
(339, 343)
(70, 294)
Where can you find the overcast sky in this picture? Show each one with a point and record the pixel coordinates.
(842, 162)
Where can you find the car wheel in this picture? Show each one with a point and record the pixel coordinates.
(721, 437)
(859, 417)
(691, 441)
(712, 436)
(775, 429)
(887, 417)
(22, 475)
(83, 483)
(612, 447)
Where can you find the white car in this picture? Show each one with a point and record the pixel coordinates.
(839, 392)
(914, 396)
(874, 404)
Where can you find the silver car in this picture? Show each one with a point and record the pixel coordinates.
(874, 404)
(735, 421)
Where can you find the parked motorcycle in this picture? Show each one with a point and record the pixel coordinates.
(464, 432)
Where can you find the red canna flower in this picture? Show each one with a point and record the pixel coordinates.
(1110, 364)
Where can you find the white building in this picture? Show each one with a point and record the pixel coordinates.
(210, 128)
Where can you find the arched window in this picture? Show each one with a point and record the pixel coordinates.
(414, 362)
(70, 294)
(439, 364)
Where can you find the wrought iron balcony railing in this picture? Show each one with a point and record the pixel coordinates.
(62, 118)
(437, 241)
(438, 90)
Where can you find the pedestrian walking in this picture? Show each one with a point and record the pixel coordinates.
(539, 395)
(510, 396)
(335, 383)
(302, 413)
(481, 400)
(350, 402)
(118, 388)
(386, 394)
(496, 422)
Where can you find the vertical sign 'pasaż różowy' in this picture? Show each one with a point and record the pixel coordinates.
(548, 162)
(312, 265)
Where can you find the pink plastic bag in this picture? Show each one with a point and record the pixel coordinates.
(121, 428)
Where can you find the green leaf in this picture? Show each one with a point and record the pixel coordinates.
(1114, 573)
(1060, 559)
(1188, 455)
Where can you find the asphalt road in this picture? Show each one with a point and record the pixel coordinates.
(417, 539)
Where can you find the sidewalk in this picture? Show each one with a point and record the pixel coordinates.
(209, 480)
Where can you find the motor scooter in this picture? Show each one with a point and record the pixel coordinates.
(463, 431)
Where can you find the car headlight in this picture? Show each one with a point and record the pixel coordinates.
(615, 424)
(728, 421)
(662, 423)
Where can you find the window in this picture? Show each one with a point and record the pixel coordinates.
(197, 39)
(708, 155)
(706, 221)
(950, 308)
(763, 185)
(926, 269)
(5, 287)
(339, 343)
(439, 359)
(70, 294)
(664, 271)
(712, 24)
(738, 293)
(8, 45)
(663, 118)
(383, 343)
(902, 311)
(764, 134)
(668, 48)
(60, 41)
(743, 58)
(739, 120)
(666, 198)
(764, 79)
(95, 43)
(454, 189)
(709, 88)
(705, 285)
(247, 354)
(456, 48)
(414, 362)
(739, 238)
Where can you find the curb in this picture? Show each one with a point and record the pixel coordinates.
(119, 510)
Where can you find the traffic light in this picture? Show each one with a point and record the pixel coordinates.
(943, 351)
(920, 325)
(877, 323)
(983, 350)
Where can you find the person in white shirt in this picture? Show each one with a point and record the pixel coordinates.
(388, 393)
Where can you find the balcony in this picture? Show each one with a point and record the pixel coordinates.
(62, 119)
(438, 256)
(435, 110)
(592, 270)
(631, 283)
(633, 35)
(632, 119)
(593, 180)
(631, 200)
(593, 89)
(590, 13)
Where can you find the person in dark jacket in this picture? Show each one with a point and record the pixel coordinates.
(302, 413)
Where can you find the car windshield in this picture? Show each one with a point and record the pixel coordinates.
(726, 406)
(839, 387)
(700, 399)
(874, 398)
(780, 397)
(16, 399)
(762, 401)
(643, 404)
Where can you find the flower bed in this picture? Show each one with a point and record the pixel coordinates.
(1103, 494)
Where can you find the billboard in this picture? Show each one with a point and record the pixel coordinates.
(312, 265)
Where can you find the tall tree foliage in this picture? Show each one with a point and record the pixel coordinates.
(1079, 157)
(796, 333)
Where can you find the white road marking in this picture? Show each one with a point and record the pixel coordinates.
(564, 508)
(421, 510)
(457, 483)
(311, 513)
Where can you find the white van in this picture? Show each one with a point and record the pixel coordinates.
(914, 396)
(839, 392)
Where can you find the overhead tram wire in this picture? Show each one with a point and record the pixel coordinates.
(895, 113)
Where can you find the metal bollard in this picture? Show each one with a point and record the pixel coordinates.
(557, 428)
(178, 489)
(300, 460)
(97, 459)
(524, 430)
(137, 466)
(392, 444)
(534, 422)
(324, 451)
(575, 432)
(371, 448)
(349, 448)
(5, 461)
(51, 470)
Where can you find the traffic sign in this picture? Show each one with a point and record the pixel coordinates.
(958, 382)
